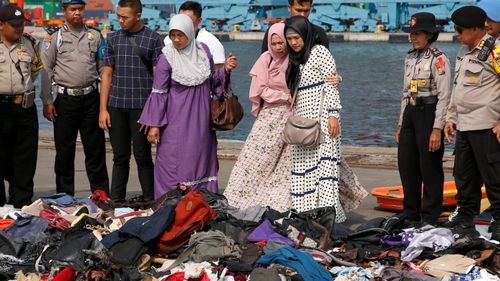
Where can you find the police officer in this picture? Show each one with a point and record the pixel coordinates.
(19, 66)
(492, 10)
(73, 60)
(474, 117)
(419, 135)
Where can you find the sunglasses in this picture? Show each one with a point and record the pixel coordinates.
(459, 29)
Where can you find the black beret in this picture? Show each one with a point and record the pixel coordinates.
(12, 14)
(469, 17)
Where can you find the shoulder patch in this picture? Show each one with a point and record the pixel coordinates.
(440, 66)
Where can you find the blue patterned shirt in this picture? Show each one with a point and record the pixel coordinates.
(132, 81)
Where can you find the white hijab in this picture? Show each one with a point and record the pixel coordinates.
(190, 66)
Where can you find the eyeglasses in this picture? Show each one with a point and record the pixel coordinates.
(459, 29)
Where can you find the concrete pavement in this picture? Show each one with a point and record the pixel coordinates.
(374, 167)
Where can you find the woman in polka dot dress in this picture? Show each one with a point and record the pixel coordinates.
(315, 171)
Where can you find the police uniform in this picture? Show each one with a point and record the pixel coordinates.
(426, 95)
(73, 62)
(19, 66)
(475, 110)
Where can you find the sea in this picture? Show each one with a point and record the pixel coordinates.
(370, 93)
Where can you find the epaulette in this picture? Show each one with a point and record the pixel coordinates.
(436, 52)
(31, 38)
(51, 28)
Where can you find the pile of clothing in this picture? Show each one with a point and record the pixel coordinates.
(197, 235)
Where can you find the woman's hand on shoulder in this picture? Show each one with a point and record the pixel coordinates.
(333, 127)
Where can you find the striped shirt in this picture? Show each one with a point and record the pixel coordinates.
(132, 82)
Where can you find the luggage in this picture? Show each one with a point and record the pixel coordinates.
(191, 214)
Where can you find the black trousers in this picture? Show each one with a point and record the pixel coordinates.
(124, 131)
(417, 165)
(477, 161)
(18, 152)
(79, 114)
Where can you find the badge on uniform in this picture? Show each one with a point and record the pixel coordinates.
(472, 79)
(440, 66)
(423, 82)
(413, 86)
(23, 51)
(90, 36)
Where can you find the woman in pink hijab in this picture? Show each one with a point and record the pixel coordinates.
(262, 174)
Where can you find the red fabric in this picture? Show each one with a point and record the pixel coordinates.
(203, 277)
(262, 243)
(5, 223)
(98, 196)
(178, 276)
(55, 221)
(67, 274)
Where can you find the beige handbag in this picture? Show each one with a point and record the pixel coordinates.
(304, 131)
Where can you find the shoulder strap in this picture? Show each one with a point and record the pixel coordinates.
(94, 28)
(141, 55)
(320, 104)
(30, 38)
(59, 39)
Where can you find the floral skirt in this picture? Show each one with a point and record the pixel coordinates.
(262, 174)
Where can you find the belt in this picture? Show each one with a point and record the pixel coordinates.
(419, 101)
(76, 91)
(15, 99)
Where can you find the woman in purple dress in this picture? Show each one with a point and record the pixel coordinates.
(178, 111)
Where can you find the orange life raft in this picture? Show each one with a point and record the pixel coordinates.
(391, 197)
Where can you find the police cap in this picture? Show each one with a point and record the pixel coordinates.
(492, 9)
(73, 2)
(422, 22)
(469, 17)
(12, 14)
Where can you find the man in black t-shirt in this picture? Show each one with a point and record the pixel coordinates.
(301, 8)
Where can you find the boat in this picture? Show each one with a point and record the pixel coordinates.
(391, 197)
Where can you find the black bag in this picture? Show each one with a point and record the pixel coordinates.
(238, 230)
(10, 245)
(71, 250)
(128, 251)
(316, 224)
(324, 216)
(251, 253)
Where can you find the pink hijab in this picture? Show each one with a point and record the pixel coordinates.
(269, 75)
